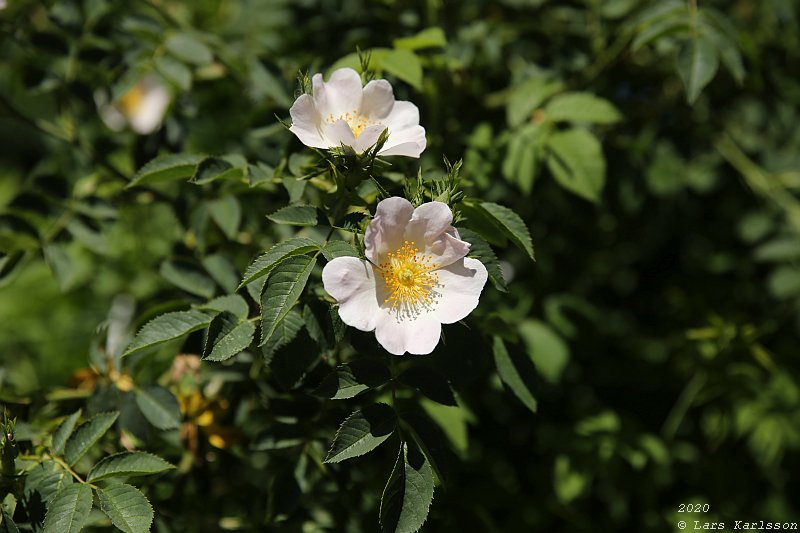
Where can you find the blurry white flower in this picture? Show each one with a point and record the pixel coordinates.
(143, 107)
(341, 112)
(415, 278)
(2, 4)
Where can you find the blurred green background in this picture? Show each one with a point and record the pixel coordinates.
(662, 311)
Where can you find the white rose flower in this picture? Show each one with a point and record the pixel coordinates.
(143, 107)
(341, 112)
(415, 278)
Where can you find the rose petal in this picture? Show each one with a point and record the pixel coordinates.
(339, 95)
(378, 99)
(369, 137)
(446, 249)
(409, 142)
(432, 233)
(351, 282)
(428, 222)
(418, 336)
(148, 116)
(306, 122)
(338, 134)
(385, 231)
(403, 115)
(460, 286)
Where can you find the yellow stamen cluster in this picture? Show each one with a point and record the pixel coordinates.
(357, 122)
(410, 279)
(130, 102)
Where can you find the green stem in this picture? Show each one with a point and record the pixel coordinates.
(69, 469)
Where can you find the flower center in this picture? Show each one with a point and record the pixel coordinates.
(357, 122)
(131, 101)
(411, 280)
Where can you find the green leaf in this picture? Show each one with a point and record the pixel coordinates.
(227, 213)
(46, 478)
(167, 327)
(351, 379)
(68, 511)
(87, 434)
(284, 287)
(548, 351)
(427, 38)
(174, 72)
(407, 497)
(189, 49)
(362, 432)
(275, 255)
(698, 61)
(724, 34)
(217, 168)
(127, 508)
(453, 421)
(296, 215)
(9, 262)
(314, 328)
(128, 464)
(232, 303)
(784, 282)
(430, 439)
(780, 249)
(263, 85)
(527, 97)
(159, 407)
(430, 383)
(525, 148)
(284, 333)
(7, 524)
(223, 271)
(334, 249)
(581, 107)
(227, 336)
(187, 277)
(577, 162)
(481, 251)
(505, 221)
(405, 65)
(515, 373)
(676, 22)
(63, 432)
(568, 482)
(166, 168)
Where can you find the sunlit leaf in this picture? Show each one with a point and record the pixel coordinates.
(127, 508)
(168, 327)
(275, 255)
(128, 464)
(284, 287)
(362, 432)
(87, 434)
(408, 494)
